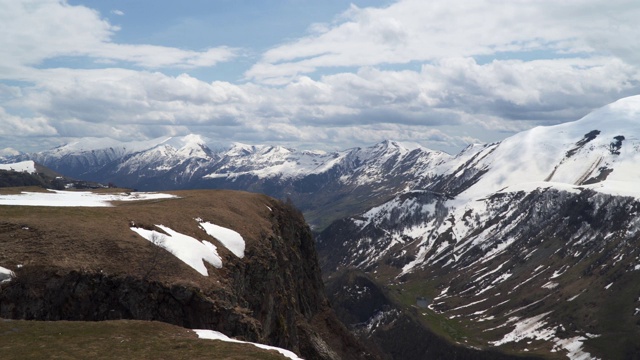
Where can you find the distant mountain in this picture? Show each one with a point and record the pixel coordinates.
(530, 245)
(30, 173)
(9, 152)
(326, 186)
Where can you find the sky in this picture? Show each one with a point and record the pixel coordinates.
(309, 74)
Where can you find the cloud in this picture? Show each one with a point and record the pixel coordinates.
(117, 12)
(412, 71)
(558, 90)
(343, 109)
(35, 31)
(417, 30)
(442, 105)
(18, 126)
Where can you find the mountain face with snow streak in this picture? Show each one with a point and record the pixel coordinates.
(527, 246)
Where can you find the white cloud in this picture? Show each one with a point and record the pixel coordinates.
(418, 30)
(18, 126)
(38, 30)
(445, 98)
(451, 96)
(117, 12)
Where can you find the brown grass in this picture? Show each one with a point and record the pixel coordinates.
(100, 239)
(123, 339)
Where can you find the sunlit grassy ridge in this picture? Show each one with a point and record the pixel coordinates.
(21, 340)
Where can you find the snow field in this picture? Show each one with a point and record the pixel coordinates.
(75, 198)
(216, 335)
(23, 166)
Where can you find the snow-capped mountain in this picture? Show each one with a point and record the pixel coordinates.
(337, 183)
(528, 246)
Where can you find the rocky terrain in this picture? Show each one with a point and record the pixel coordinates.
(89, 263)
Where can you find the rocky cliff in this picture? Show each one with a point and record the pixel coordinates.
(73, 263)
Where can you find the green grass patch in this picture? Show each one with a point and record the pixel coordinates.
(406, 294)
(115, 340)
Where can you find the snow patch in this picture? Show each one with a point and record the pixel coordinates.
(230, 239)
(23, 166)
(573, 346)
(536, 328)
(574, 297)
(75, 198)
(190, 250)
(5, 275)
(530, 328)
(216, 335)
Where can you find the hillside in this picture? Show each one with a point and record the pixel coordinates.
(30, 173)
(89, 262)
(529, 246)
(119, 339)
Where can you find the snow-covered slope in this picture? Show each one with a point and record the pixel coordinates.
(602, 148)
(23, 166)
(531, 244)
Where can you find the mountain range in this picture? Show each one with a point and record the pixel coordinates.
(528, 246)
(325, 186)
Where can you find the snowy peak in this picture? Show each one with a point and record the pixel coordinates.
(96, 145)
(387, 149)
(599, 151)
(242, 150)
(239, 149)
(191, 146)
(402, 147)
(266, 161)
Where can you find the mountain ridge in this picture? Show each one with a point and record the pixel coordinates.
(310, 178)
(528, 245)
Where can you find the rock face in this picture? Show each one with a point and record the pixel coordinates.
(86, 264)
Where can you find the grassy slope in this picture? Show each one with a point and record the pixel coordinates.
(115, 340)
(100, 239)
